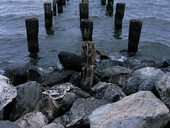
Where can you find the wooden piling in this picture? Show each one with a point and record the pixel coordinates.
(109, 8)
(64, 2)
(54, 7)
(88, 62)
(87, 29)
(120, 9)
(84, 11)
(48, 15)
(85, 1)
(103, 2)
(60, 6)
(134, 35)
(32, 29)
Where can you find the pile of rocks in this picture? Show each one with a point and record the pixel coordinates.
(133, 93)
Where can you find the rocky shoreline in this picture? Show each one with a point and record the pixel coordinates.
(128, 92)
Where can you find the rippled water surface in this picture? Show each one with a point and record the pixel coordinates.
(155, 37)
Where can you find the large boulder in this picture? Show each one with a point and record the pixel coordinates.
(53, 125)
(28, 95)
(80, 109)
(114, 74)
(163, 88)
(7, 92)
(32, 120)
(8, 124)
(142, 80)
(70, 61)
(139, 110)
(107, 91)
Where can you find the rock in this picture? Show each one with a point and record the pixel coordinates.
(54, 77)
(108, 91)
(49, 107)
(1, 114)
(54, 125)
(80, 93)
(32, 120)
(166, 63)
(70, 61)
(33, 74)
(80, 109)
(115, 74)
(142, 80)
(68, 100)
(7, 92)
(163, 88)
(139, 110)
(28, 95)
(8, 124)
(75, 79)
(17, 73)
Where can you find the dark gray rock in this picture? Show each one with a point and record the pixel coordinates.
(53, 125)
(32, 120)
(139, 110)
(143, 79)
(68, 100)
(108, 91)
(75, 79)
(70, 61)
(163, 88)
(28, 95)
(54, 77)
(49, 107)
(8, 124)
(80, 109)
(1, 114)
(33, 74)
(114, 74)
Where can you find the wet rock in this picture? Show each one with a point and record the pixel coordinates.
(68, 100)
(139, 110)
(54, 125)
(17, 73)
(7, 92)
(108, 91)
(114, 74)
(49, 107)
(80, 109)
(56, 77)
(75, 79)
(8, 124)
(80, 93)
(163, 88)
(70, 61)
(32, 120)
(166, 63)
(28, 95)
(33, 74)
(1, 114)
(143, 79)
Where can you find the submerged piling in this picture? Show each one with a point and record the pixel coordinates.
(134, 35)
(103, 2)
(60, 6)
(88, 62)
(48, 15)
(87, 29)
(32, 29)
(54, 7)
(120, 9)
(109, 8)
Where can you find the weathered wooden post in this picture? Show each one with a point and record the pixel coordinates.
(84, 11)
(60, 6)
(109, 8)
(85, 1)
(54, 7)
(134, 35)
(120, 9)
(88, 62)
(64, 2)
(48, 15)
(87, 29)
(32, 29)
(103, 2)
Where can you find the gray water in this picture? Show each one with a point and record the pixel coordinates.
(154, 42)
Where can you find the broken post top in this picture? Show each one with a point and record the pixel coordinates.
(137, 23)
(47, 7)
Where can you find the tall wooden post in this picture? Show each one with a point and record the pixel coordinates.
(32, 29)
(109, 8)
(64, 2)
(60, 6)
(103, 2)
(48, 15)
(84, 11)
(134, 35)
(120, 9)
(87, 29)
(88, 62)
(54, 7)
